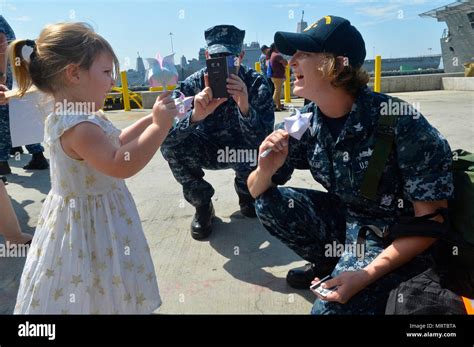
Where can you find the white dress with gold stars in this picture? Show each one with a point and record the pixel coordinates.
(89, 253)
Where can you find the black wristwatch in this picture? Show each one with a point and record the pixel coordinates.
(2, 75)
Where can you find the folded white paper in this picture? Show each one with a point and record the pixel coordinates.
(295, 126)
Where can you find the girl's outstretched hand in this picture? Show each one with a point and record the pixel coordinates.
(164, 110)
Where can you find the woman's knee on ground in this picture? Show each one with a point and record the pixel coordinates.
(269, 203)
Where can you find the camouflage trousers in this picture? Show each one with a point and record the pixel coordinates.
(315, 225)
(199, 151)
(5, 137)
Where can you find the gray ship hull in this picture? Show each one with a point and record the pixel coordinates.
(457, 41)
(405, 64)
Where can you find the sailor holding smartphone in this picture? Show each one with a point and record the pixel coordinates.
(237, 122)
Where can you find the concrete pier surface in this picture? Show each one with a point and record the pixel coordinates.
(240, 268)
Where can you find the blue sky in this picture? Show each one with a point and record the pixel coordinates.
(391, 28)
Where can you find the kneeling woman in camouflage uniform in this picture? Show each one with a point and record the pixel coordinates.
(323, 227)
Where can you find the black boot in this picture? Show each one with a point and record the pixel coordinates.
(201, 226)
(38, 162)
(16, 150)
(5, 168)
(247, 206)
(301, 278)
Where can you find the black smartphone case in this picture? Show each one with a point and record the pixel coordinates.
(219, 69)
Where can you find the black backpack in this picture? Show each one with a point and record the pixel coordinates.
(454, 251)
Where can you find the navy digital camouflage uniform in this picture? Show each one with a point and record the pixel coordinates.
(192, 147)
(5, 138)
(307, 221)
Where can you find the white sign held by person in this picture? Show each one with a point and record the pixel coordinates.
(27, 115)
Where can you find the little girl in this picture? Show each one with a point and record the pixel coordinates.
(89, 253)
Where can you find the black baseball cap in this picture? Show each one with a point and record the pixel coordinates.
(330, 34)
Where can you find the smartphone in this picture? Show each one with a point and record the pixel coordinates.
(320, 290)
(218, 70)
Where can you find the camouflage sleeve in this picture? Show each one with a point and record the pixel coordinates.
(189, 87)
(296, 159)
(261, 117)
(424, 159)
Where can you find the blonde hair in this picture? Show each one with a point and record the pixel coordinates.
(345, 76)
(58, 46)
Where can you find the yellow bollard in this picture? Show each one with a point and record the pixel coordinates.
(126, 96)
(378, 74)
(287, 85)
(258, 67)
(160, 88)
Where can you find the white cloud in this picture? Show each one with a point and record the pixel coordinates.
(379, 11)
(6, 6)
(411, 2)
(288, 5)
(380, 20)
(21, 19)
(357, 1)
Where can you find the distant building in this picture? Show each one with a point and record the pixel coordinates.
(136, 78)
(140, 65)
(301, 25)
(457, 41)
(252, 53)
(195, 64)
(183, 62)
(202, 55)
(190, 67)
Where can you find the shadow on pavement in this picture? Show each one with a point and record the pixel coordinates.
(249, 249)
(11, 267)
(39, 179)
